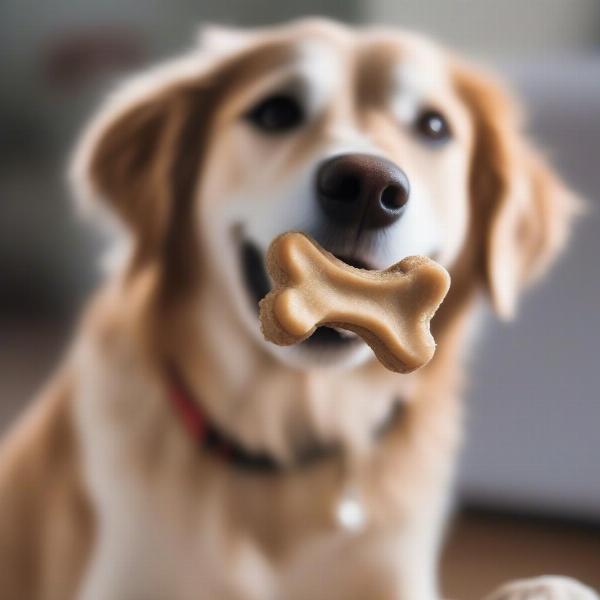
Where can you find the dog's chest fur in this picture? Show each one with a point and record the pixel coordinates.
(175, 523)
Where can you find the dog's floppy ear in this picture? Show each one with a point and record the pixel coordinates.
(522, 211)
(140, 156)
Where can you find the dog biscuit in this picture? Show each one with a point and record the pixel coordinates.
(390, 309)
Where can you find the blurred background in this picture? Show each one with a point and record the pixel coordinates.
(530, 479)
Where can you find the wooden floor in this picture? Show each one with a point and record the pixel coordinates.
(486, 549)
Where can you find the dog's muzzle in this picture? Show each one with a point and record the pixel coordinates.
(358, 196)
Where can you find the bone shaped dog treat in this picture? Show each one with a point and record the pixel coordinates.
(389, 309)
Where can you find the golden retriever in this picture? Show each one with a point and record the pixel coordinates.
(177, 455)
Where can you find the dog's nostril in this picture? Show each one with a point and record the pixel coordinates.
(394, 197)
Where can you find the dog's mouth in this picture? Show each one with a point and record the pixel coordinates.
(258, 285)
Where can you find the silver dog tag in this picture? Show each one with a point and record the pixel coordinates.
(350, 512)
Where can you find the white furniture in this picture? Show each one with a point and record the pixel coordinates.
(534, 407)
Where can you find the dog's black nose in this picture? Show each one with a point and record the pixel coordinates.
(361, 189)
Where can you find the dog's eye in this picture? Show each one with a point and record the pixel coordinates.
(276, 113)
(432, 125)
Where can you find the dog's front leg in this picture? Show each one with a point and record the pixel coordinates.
(544, 588)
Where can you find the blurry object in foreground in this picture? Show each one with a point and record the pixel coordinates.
(486, 548)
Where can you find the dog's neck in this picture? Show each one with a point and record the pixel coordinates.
(270, 407)
(225, 447)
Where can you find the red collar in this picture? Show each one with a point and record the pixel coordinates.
(191, 413)
(208, 435)
(211, 439)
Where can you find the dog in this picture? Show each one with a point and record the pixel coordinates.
(176, 454)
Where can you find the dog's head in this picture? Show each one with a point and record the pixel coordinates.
(377, 143)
